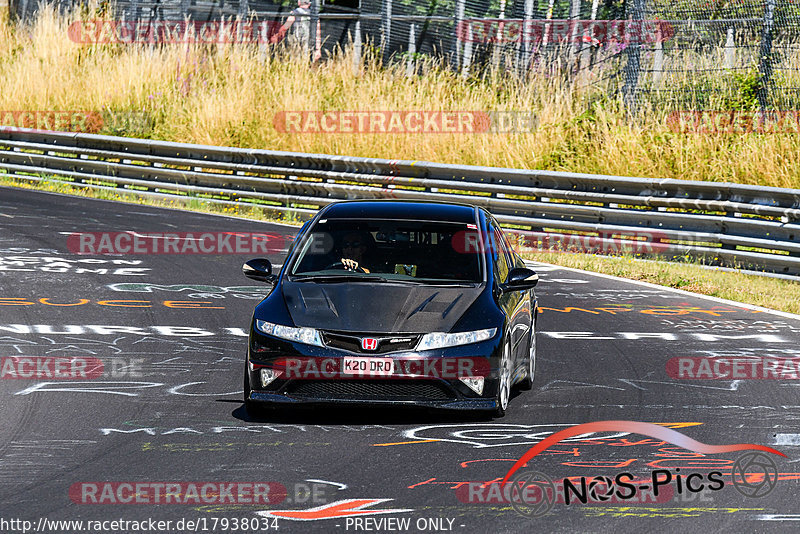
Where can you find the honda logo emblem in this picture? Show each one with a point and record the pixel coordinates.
(369, 343)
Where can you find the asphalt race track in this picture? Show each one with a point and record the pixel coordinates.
(167, 408)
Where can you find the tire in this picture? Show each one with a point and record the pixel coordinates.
(504, 382)
(527, 382)
(253, 408)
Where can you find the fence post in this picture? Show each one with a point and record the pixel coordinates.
(412, 51)
(263, 39)
(23, 11)
(574, 15)
(730, 50)
(588, 36)
(498, 43)
(633, 52)
(525, 38)
(459, 30)
(313, 33)
(357, 48)
(386, 28)
(546, 33)
(242, 15)
(544, 55)
(134, 11)
(467, 63)
(658, 59)
(765, 55)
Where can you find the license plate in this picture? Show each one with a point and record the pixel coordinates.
(367, 366)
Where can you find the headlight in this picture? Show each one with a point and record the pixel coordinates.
(309, 336)
(440, 340)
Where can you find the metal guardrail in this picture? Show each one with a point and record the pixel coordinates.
(749, 227)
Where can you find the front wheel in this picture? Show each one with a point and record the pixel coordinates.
(503, 382)
(527, 382)
(253, 408)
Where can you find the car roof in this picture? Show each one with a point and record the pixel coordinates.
(401, 210)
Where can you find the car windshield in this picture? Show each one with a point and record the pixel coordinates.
(381, 250)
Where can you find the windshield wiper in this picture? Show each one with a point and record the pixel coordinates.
(430, 282)
(451, 283)
(336, 278)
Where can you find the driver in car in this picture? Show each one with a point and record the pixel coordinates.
(354, 248)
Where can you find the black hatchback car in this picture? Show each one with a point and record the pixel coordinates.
(394, 302)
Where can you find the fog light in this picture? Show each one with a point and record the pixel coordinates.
(268, 376)
(475, 383)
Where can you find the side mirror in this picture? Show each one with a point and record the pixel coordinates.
(259, 269)
(521, 278)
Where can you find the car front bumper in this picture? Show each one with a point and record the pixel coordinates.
(446, 392)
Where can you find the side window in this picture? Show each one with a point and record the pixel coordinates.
(513, 259)
(499, 255)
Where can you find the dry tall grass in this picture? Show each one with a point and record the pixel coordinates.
(228, 95)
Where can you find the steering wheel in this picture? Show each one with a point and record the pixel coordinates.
(340, 265)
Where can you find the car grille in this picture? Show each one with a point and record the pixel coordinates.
(369, 390)
(349, 342)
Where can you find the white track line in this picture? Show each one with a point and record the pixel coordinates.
(786, 315)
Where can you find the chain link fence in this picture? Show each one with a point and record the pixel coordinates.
(675, 54)
(735, 55)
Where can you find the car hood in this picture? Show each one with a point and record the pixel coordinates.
(377, 308)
